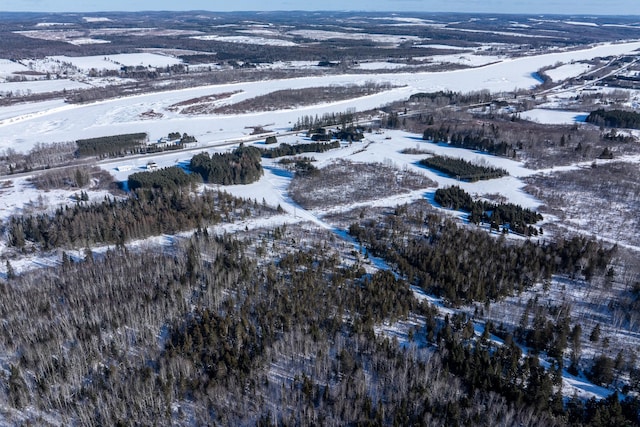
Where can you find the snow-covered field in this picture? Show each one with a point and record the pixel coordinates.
(40, 86)
(554, 117)
(264, 41)
(115, 62)
(377, 38)
(567, 71)
(9, 68)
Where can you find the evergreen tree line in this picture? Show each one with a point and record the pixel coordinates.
(462, 169)
(464, 265)
(452, 98)
(328, 119)
(112, 146)
(517, 218)
(241, 166)
(143, 213)
(172, 179)
(614, 118)
(293, 150)
(484, 140)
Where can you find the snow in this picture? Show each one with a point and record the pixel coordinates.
(85, 63)
(262, 41)
(583, 24)
(144, 59)
(123, 115)
(468, 59)
(52, 24)
(113, 62)
(40, 86)
(554, 117)
(442, 46)
(409, 20)
(93, 19)
(381, 65)
(69, 36)
(377, 38)
(10, 69)
(21, 111)
(84, 40)
(502, 33)
(567, 71)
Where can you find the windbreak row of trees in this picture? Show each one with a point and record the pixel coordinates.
(443, 98)
(110, 146)
(462, 169)
(296, 149)
(327, 119)
(41, 156)
(515, 216)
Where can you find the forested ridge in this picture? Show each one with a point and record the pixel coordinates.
(143, 213)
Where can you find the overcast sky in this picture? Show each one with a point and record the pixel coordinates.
(574, 7)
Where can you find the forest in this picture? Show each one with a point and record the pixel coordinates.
(485, 140)
(172, 178)
(470, 265)
(512, 217)
(241, 166)
(143, 213)
(614, 118)
(162, 300)
(247, 329)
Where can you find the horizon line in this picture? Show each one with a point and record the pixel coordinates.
(330, 10)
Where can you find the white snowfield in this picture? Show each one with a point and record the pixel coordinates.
(567, 71)
(554, 117)
(247, 40)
